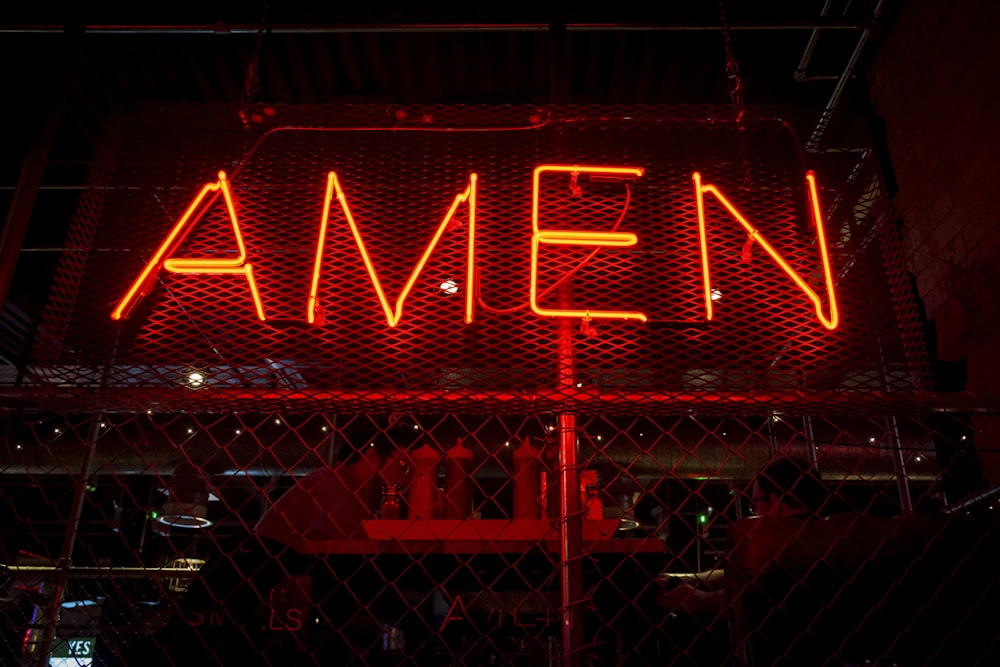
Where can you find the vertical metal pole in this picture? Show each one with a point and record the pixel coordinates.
(899, 465)
(807, 424)
(571, 534)
(571, 526)
(76, 511)
(891, 424)
(772, 438)
(331, 446)
(69, 541)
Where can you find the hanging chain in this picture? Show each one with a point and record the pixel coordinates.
(251, 79)
(735, 85)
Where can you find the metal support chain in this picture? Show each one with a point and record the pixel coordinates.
(735, 86)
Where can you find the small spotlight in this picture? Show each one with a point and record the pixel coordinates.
(190, 431)
(449, 287)
(416, 427)
(599, 438)
(716, 294)
(149, 412)
(78, 604)
(103, 424)
(872, 439)
(238, 431)
(56, 430)
(918, 458)
(322, 428)
(278, 422)
(507, 444)
(20, 447)
(196, 379)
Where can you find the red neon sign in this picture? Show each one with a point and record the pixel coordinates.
(539, 237)
(202, 265)
(393, 316)
(831, 321)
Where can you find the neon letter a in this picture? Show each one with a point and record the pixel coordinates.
(209, 266)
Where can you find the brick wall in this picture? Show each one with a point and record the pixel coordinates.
(934, 80)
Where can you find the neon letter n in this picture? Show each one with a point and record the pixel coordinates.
(700, 189)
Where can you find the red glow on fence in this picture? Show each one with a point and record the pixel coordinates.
(830, 322)
(200, 265)
(393, 316)
(576, 238)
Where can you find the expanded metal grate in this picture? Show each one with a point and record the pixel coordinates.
(467, 337)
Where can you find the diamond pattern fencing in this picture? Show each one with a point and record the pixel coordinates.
(159, 556)
(252, 458)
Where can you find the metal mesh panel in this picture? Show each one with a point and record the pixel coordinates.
(400, 170)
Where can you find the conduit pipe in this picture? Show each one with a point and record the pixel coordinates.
(807, 54)
(389, 28)
(248, 456)
(812, 145)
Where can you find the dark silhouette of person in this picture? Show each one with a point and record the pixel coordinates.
(784, 488)
(269, 600)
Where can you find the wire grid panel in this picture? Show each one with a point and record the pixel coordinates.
(193, 337)
(471, 570)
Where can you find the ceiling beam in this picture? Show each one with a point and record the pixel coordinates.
(818, 23)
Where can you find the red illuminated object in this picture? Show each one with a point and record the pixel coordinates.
(393, 316)
(202, 265)
(539, 237)
(578, 238)
(700, 189)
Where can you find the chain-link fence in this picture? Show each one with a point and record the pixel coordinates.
(483, 385)
(141, 537)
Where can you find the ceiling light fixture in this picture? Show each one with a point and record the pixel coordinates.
(187, 499)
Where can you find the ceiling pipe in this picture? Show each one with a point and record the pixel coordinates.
(800, 71)
(812, 145)
(388, 28)
(248, 456)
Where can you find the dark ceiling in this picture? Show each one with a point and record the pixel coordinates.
(510, 53)
(68, 69)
